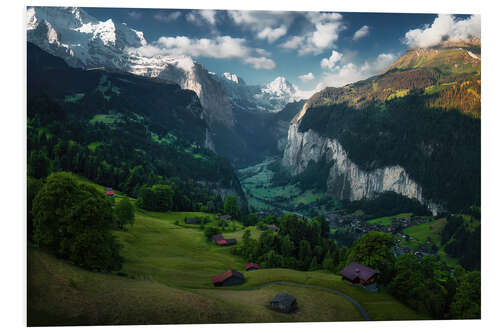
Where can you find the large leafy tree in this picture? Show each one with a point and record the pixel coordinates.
(467, 301)
(124, 212)
(74, 221)
(374, 249)
(231, 206)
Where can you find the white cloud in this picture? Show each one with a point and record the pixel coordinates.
(306, 77)
(267, 25)
(260, 62)
(325, 32)
(135, 15)
(200, 17)
(340, 75)
(362, 32)
(167, 17)
(221, 47)
(330, 62)
(272, 34)
(444, 27)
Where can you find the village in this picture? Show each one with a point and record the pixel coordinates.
(357, 224)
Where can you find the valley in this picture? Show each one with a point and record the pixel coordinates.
(151, 178)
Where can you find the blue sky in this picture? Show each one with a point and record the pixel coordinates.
(310, 49)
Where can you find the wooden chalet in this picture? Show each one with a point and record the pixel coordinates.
(359, 274)
(283, 302)
(228, 278)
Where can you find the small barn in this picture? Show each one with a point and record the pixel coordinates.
(283, 302)
(217, 238)
(359, 274)
(251, 266)
(110, 192)
(231, 241)
(228, 278)
(192, 221)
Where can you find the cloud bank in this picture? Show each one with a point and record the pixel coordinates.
(445, 27)
(306, 77)
(325, 32)
(362, 32)
(221, 47)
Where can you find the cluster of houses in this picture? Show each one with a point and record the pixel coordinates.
(353, 273)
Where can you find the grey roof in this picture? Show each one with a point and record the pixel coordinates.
(284, 299)
(355, 270)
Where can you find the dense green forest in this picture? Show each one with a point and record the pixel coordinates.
(120, 131)
(438, 149)
(426, 285)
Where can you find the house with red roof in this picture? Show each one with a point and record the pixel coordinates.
(110, 192)
(251, 266)
(228, 278)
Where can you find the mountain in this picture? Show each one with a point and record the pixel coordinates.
(122, 130)
(85, 42)
(413, 130)
(278, 93)
(271, 97)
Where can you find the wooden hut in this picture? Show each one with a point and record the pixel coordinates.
(228, 278)
(283, 302)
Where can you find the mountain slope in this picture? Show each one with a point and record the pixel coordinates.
(413, 130)
(121, 130)
(84, 42)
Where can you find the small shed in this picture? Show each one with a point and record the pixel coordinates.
(110, 192)
(251, 266)
(231, 241)
(192, 221)
(216, 238)
(221, 242)
(359, 274)
(228, 278)
(283, 302)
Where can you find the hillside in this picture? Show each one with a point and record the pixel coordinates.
(120, 130)
(414, 130)
(163, 281)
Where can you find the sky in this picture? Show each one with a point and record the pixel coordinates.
(311, 49)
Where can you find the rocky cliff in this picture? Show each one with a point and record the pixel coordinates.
(346, 180)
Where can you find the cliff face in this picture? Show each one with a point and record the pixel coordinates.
(346, 180)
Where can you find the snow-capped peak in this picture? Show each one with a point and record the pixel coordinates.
(279, 87)
(231, 77)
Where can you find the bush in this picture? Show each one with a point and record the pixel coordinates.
(124, 213)
(74, 222)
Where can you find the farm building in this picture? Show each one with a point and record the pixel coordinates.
(110, 192)
(359, 274)
(216, 238)
(231, 241)
(251, 266)
(283, 302)
(192, 221)
(228, 278)
(221, 241)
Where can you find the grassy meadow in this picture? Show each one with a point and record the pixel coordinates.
(166, 278)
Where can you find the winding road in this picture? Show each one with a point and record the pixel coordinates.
(336, 292)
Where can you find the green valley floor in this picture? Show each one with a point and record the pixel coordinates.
(166, 278)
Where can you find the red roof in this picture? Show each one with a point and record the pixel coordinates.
(217, 238)
(221, 242)
(110, 192)
(226, 275)
(251, 265)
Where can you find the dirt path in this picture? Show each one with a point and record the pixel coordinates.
(336, 292)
